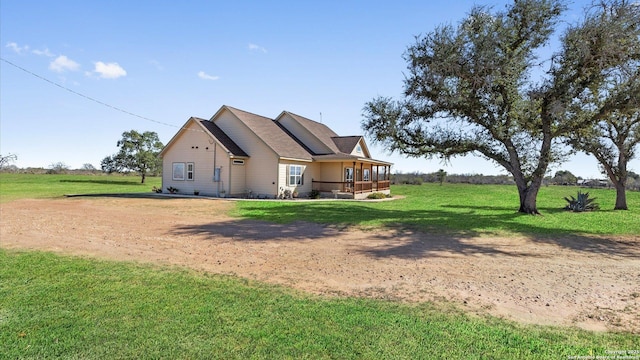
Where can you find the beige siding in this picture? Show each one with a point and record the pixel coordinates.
(197, 147)
(303, 135)
(310, 171)
(365, 149)
(359, 150)
(238, 176)
(331, 172)
(261, 169)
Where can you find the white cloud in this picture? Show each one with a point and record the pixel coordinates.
(203, 75)
(109, 70)
(44, 52)
(15, 47)
(63, 63)
(254, 47)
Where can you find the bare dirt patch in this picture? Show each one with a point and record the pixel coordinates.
(590, 282)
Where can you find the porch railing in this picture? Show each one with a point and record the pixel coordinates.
(355, 187)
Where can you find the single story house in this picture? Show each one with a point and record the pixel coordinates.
(240, 154)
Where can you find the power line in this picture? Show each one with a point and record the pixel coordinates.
(87, 97)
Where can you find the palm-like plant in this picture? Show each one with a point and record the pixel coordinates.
(581, 203)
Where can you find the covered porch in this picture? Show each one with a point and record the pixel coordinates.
(353, 179)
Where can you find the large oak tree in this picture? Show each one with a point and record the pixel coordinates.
(138, 152)
(611, 107)
(469, 89)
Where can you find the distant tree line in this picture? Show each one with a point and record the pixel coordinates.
(561, 177)
(62, 168)
(138, 155)
(417, 178)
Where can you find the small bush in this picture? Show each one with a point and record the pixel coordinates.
(156, 190)
(315, 194)
(581, 203)
(377, 195)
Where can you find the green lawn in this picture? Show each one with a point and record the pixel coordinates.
(64, 307)
(462, 208)
(16, 186)
(67, 307)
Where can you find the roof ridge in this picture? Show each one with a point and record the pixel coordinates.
(271, 134)
(306, 118)
(247, 112)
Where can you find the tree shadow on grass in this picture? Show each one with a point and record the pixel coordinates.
(455, 226)
(421, 232)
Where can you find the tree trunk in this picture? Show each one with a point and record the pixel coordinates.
(143, 177)
(621, 196)
(528, 192)
(618, 177)
(528, 199)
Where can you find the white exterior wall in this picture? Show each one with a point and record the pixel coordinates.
(303, 134)
(261, 169)
(193, 146)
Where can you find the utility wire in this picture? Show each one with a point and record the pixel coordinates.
(88, 97)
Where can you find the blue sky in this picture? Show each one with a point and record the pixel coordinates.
(168, 60)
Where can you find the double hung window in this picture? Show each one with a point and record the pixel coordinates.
(295, 175)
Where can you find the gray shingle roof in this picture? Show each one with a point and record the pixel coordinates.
(222, 137)
(275, 138)
(346, 144)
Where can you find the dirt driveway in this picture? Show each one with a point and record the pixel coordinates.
(593, 283)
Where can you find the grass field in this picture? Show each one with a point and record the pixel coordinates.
(64, 307)
(463, 208)
(67, 307)
(16, 186)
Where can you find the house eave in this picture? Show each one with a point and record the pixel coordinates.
(295, 159)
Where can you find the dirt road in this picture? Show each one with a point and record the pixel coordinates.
(590, 282)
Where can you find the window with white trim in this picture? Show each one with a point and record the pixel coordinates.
(295, 175)
(178, 171)
(366, 176)
(190, 171)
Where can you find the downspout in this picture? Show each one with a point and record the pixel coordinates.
(215, 148)
(229, 177)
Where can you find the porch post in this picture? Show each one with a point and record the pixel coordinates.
(353, 188)
(361, 177)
